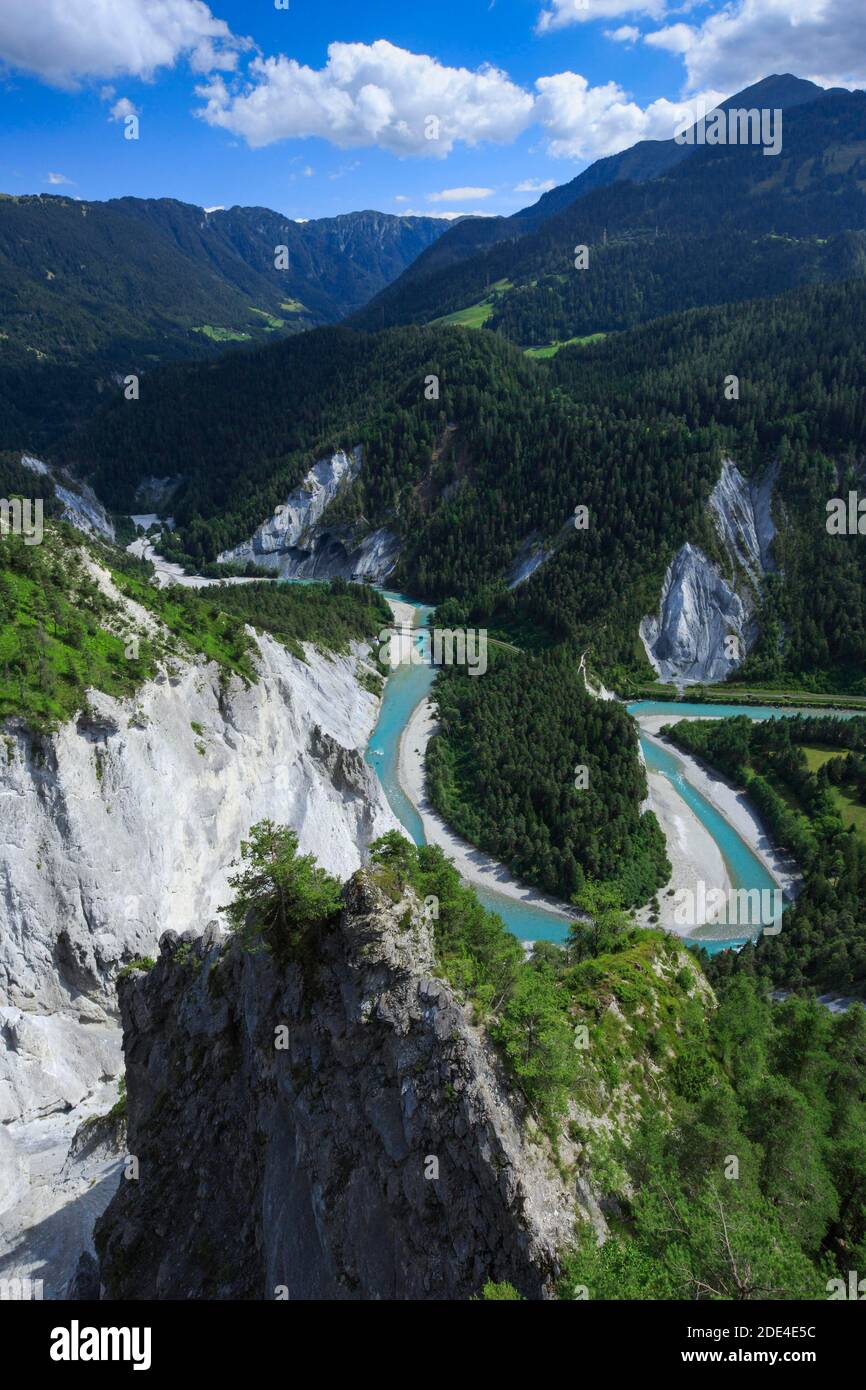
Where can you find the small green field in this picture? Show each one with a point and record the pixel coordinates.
(551, 349)
(817, 754)
(851, 811)
(222, 335)
(474, 315)
(271, 320)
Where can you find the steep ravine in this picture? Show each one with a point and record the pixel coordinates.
(369, 1150)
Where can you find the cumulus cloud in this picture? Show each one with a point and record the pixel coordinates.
(66, 41)
(584, 122)
(59, 178)
(676, 38)
(121, 109)
(459, 195)
(824, 40)
(370, 94)
(626, 33)
(560, 13)
(535, 186)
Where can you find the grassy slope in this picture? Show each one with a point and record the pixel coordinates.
(844, 799)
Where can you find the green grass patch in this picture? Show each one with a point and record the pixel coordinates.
(222, 335)
(271, 320)
(551, 349)
(474, 315)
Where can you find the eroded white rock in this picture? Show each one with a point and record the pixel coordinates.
(126, 821)
(297, 544)
(705, 625)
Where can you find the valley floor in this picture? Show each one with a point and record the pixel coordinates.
(167, 572)
(686, 836)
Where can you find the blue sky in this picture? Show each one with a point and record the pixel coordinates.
(321, 108)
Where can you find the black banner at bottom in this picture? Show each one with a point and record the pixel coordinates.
(86, 1339)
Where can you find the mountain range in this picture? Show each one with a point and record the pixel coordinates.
(668, 226)
(137, 278)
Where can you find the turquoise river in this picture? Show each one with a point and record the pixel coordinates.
(408, 684)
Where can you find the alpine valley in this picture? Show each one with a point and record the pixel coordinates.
(330, 973)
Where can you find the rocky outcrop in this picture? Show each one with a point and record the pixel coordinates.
(699, 611)
(702, 608)
(117, 824)
(296, 543)
(529, 558)
(128, 819)
(81, 507)
(13, 1173)
(338, 1130)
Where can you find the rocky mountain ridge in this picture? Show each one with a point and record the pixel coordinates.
(343, 1136)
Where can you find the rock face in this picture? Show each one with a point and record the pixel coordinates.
(701, 607)
(296, 544)
(128, 819)
(530, 557)
(81, 507)
(377, 1155)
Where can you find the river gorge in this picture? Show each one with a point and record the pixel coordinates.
(714, 837)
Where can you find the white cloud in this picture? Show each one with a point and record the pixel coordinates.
(370, 94)
(824, 40)
(445, 216)
(584, 122)
(59, 178)
(626, 33)
(535, 186)
(121, 109)
(459, 195)
(676, 38)
(66, 41)
(401, 198)
(561, 13)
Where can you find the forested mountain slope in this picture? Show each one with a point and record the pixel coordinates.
(645, 160)
(78, 279)
(633, 428)
(724, 224)
(92, 290)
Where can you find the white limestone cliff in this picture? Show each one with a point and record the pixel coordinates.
(701, 607)
(120, 824)
(297, 544)
(126, 821)
(81, 507)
